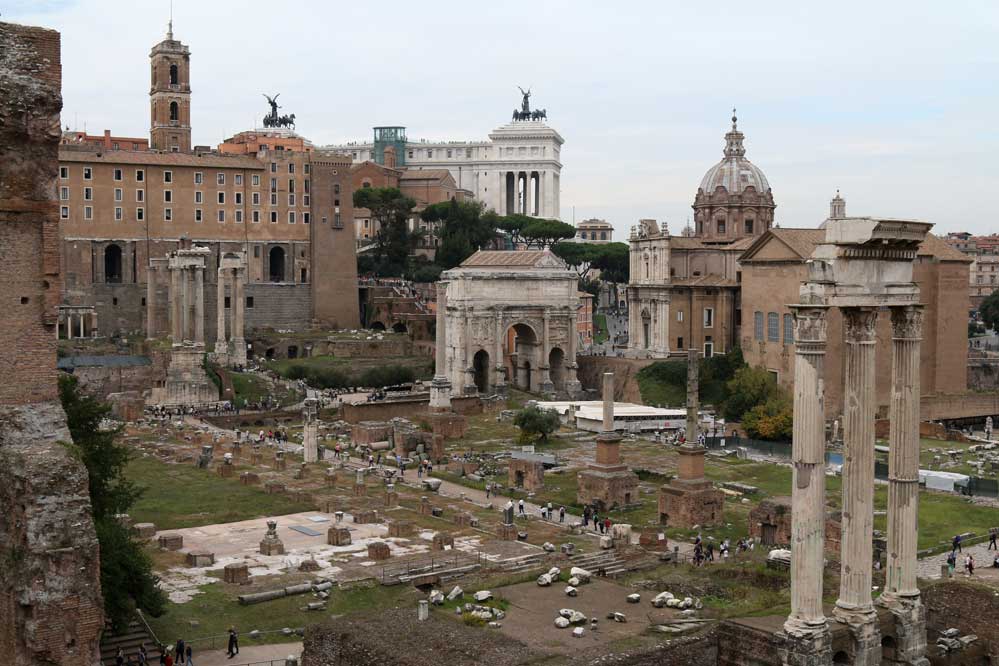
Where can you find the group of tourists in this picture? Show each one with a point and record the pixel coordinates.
(591, 514)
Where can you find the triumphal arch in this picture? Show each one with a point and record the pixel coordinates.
(864, 268)
(510, 319)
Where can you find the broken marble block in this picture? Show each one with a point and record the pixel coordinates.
(483, 595)
(633, 598)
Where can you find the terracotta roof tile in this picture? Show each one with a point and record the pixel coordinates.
(505, 258)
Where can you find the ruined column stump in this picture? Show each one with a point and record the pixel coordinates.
(171, 541)
(200, 559)
(237, 573)
(426, 508)
(249, 478)
(379, 550)
(442, 542)
(338, 536)
(330, 477)
(144, 530)
(279, 461)
(271, 543)
(401, 529)
(507, 532)
(360, 490)
(367, 516)
(274, 488)
(225, 471)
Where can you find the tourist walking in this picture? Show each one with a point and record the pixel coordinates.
(969, 564)
(951, 564)
(187, 654)
(956, 544)
(180, 652)
(233, 643)
(993, 533)
(561, 514)
(520, 508)
(607, 525)
(550, 511)
(489, 487)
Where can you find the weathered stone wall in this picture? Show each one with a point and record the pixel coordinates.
(415, 409)
(592, 369)
(972, 609)
(50, 598)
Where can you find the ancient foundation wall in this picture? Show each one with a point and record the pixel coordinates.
(592, 368)
(972, 609)
(410, 409)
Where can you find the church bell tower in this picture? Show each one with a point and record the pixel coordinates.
(170, 95)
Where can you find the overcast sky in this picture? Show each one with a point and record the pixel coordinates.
(894, 103)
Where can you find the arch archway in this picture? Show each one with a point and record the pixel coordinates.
(112, 264)
(174, 111)
(841, 657)
(646, 328)
(276, 257)
(399, 327)
(480, 365)
(377, 326)
(888, 648)
(522, 350)
(174, 78)
(556, 368)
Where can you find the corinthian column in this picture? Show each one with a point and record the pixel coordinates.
(150, 303)
(176, 304)
(221, 347)
(440, 388)
(901, 594)
(809, 485)
(238, 316)
(199, 306)
(854, 606)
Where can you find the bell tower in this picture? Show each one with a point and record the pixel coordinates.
(170, 95)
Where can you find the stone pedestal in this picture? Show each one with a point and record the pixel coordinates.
(805, 645)
(279, 461)
(425, 508)
(256, 456)
(690, 499)
(360, 490)
(442, 542)
(236, 574)
(401, 529)
(249, 478)
(338, 536)
(144, 530)
(379, 550)
(200, 559)
(274, 488)
(606, 482)
(366, 516)
(225, 471)
(171, 541)
(391, 498)
(463, 519)
(271, 543)
(507, 532)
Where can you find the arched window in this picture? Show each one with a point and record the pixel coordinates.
(174, 78)
(112, 264)
(276, 257)
(773, 327)
(174, 111)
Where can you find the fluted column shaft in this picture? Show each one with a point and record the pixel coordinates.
(150, 302)
(439, 369)
(809, 481)
(176, 305)
(238, 302)
(903, 454)
(199, 306)
(220, 336)
(856, 547)
(185, 285)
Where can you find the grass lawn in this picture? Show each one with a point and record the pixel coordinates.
(217, 609)
(599, 328)
(184, 496)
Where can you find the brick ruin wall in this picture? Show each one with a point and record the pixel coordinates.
(50, 599)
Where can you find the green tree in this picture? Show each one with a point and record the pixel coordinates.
(391, 210)
(465, 226)
(771, 420)
(578, 256)
(544, 233)
(989, 310)
(536, 423)
(514, 225)
(127, 579)
(747, 389)
(613, 261)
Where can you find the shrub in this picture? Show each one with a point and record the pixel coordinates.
(536, 423)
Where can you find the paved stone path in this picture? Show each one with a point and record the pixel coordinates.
(249, 654)
(929, 567)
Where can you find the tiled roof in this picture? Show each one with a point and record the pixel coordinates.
(159, 159)
(425, 174)
(506, 258)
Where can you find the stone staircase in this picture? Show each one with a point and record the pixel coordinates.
(129, 641)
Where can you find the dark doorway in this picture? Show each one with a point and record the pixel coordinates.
(276, 264)
(399, 327)
(768, 534)
(377, 326)
(525, 376)
(664, 519)
(480, 364)
(518, 478)
(112, 264)
(556, 368)
(292, 351)
(646, 328)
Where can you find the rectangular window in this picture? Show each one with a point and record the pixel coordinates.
(117, 174)
(114, 145)
(88, 212)
(337, 224)
(199, 177)
(64, 172)
(758, 325)
(167, 196)
(88, 173)
(291, 199)
(255, 197)
(168, 214)
(239, 178)
(256, 216)
(140, 214)
(430, 153)
(336, 188)
(222, 217)
(168, 176)
(140, 195)
(410, 154)
(773, 327)
(788, 329)
(199, 197)
(273, 184)
(197, 215)
(468, 153)
(273, 217)
(274, 199)
(679, 343)
(307, 187)
(273, 167)
(306, 200)
(221, 197)
(220, 178)
(291, 217)
(118, 194)
(64, 212)
(721, 226)
(140, 175)
(249, 301)
(239, 217)
(709, 317)
(306, 218)
(308, 169)
(118, 214)
(256, 251)
(679, 315)
(255, 180)
(291, 184)
(88, 194)
(749, 226)
(64, 193)
(291, 167)
(239, 198)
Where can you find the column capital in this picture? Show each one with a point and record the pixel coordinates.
(860, 324)
(810, 328)
(907, 322)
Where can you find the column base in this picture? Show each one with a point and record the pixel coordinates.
(440, 394)
(910, 628)
(238, 357)
(500, 388)
(801, 644)
(864, 632)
